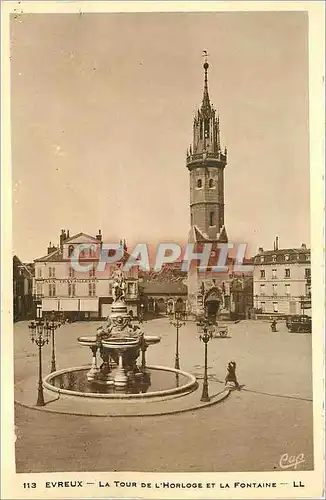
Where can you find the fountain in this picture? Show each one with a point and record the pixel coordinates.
(119, 344)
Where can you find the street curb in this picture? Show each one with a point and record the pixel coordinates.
(220, 397)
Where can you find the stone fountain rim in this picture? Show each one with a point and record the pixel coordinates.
(186, 388)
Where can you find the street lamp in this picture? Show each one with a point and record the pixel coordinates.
(141, 313)
(178, 323)
(205, 337)
(143, 348)
(51, 326)
(39, 336)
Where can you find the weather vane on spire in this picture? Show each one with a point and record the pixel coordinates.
(205, 54)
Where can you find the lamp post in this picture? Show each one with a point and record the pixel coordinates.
(51, 326)
(39, 336)
(143, 348)
(205, 337)
(178, 323)
(141, 313)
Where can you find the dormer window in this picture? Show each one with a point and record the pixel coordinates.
(261, 259)
(286, 257)
(199, 183)
(274, 258)
(211, 183)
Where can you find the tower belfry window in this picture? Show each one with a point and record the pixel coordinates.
(211, 183)
(206, 128)
(199, 183)
(211, 219)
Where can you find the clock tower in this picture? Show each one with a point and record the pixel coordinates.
(206, 163)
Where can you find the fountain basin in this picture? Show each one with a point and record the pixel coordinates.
(90, 340)
(163, 382)
(120, 343)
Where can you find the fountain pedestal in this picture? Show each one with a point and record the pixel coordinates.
(119, 344)
(120, 378)
(94, 371)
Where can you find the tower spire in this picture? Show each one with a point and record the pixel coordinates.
(206, 105)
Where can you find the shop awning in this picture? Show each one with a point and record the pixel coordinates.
(88, 305)
(50, 305)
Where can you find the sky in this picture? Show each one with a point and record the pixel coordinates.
(102, 113)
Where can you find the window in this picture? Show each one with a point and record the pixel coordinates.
(286, 257)
(52, 290)
(39, 289)
(262, 289)
(275, 289)
(263, 306)
(72, 289)
(287, 273)
(287, 289)
(262, 273)
(199, 183)
(71, 272)
(92, 250)
(70, 250)
(206, 128)
(261, 259)
(275, 307)
(274, 258)
(274, 274)
(39, 272)
(92, 289)
(92, 272)
(51, 272)
(307, 273)
(211, 219)
(211, 183)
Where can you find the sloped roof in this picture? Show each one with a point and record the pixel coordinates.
(164, 288)
(55, 256)
(199, 235)
(284, 251)
(88, 237)
(27, 269)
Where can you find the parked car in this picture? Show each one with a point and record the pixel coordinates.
(299, 323)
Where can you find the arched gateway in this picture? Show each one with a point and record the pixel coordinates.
(212, 302)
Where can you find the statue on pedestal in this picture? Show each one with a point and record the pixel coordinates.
(119, 287)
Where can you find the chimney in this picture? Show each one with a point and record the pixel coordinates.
(303, 246)
(99, 235)
(62, 237)
(51, 248)
(125, 245)
(276, 243)
(68, 233)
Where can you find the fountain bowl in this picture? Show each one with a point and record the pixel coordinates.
(188, 384)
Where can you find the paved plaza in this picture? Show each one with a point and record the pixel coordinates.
(248, 431)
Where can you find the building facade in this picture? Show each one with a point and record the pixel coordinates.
(79, 295)
(162, 297)
(23, 305)
(206, 163)
(282, 281)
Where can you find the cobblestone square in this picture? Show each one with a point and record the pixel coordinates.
(249, 431)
